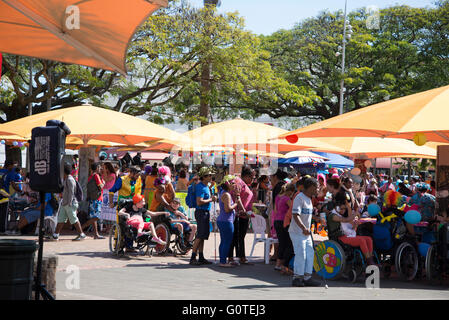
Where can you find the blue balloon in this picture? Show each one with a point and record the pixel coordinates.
(373, 210)
(412, 217)
(2, 142)
(422, 248)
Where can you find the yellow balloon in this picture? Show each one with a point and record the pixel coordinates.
(420, 139)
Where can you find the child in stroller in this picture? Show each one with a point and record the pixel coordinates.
(135, 212)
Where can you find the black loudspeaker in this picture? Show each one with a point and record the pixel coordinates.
(47, 148)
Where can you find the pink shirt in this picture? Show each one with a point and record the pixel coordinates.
(246, 195)
(110, 184)
(281, 207)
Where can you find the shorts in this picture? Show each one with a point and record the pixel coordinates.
(94, 209)
(202, 218)
(68, 212)
(31, 215)
(185, 225)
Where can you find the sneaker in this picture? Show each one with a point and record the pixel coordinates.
(80, 237)
(204, 261)
(53, 237)
(194, 262)
(312, 283)
(298, 282)
(189, 245)
(156, 239)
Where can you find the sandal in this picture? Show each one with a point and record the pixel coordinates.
(226, 265)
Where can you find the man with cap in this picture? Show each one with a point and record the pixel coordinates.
(204, 199)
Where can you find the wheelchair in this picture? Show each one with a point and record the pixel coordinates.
(394, 247)
(179, 245)
(334, 260)
(123, 236)
(437, 258)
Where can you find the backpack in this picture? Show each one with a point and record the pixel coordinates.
(93, 191)
(191, 197)
(79, 196)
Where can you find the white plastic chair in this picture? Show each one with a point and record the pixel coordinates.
(259, 227)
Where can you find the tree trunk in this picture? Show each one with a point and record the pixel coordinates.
(14, 154)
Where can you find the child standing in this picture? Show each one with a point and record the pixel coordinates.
(300, 234)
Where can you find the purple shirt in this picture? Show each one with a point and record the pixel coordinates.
(225, 216)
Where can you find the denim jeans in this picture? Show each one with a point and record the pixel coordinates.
(226, 234)
(303, 247)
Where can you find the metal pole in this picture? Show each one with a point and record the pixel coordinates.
(342, 83)
(30, 90)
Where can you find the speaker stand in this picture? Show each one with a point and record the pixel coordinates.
(39, 288)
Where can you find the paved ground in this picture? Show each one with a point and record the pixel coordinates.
(103, 276)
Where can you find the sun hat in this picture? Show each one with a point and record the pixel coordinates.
(227, 179)
(204, 171)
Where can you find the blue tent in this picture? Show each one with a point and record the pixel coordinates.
(336, 160)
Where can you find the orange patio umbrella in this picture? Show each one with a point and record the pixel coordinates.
(366, 147)
(87, 122)
(421, 116)
(92, 33)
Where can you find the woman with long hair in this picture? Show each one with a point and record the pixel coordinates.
(283, 203)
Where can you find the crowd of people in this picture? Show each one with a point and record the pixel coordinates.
(293, 203)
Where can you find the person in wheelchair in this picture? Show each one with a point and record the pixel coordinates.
(135, 212)
(179, 220)
(342, 227)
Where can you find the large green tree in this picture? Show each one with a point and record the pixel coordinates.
(167, 60)
(405, 55)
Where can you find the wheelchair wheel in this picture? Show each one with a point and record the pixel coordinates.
(433, 269)
(163, 233)
(406, 261)
(329, 260)
(115, 239)
(358, 264)
(182, 244)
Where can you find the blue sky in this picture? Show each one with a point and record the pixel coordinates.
(268, 16)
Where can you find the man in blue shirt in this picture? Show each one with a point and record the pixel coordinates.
(13, 181)
(202, 214)
(7, 168)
